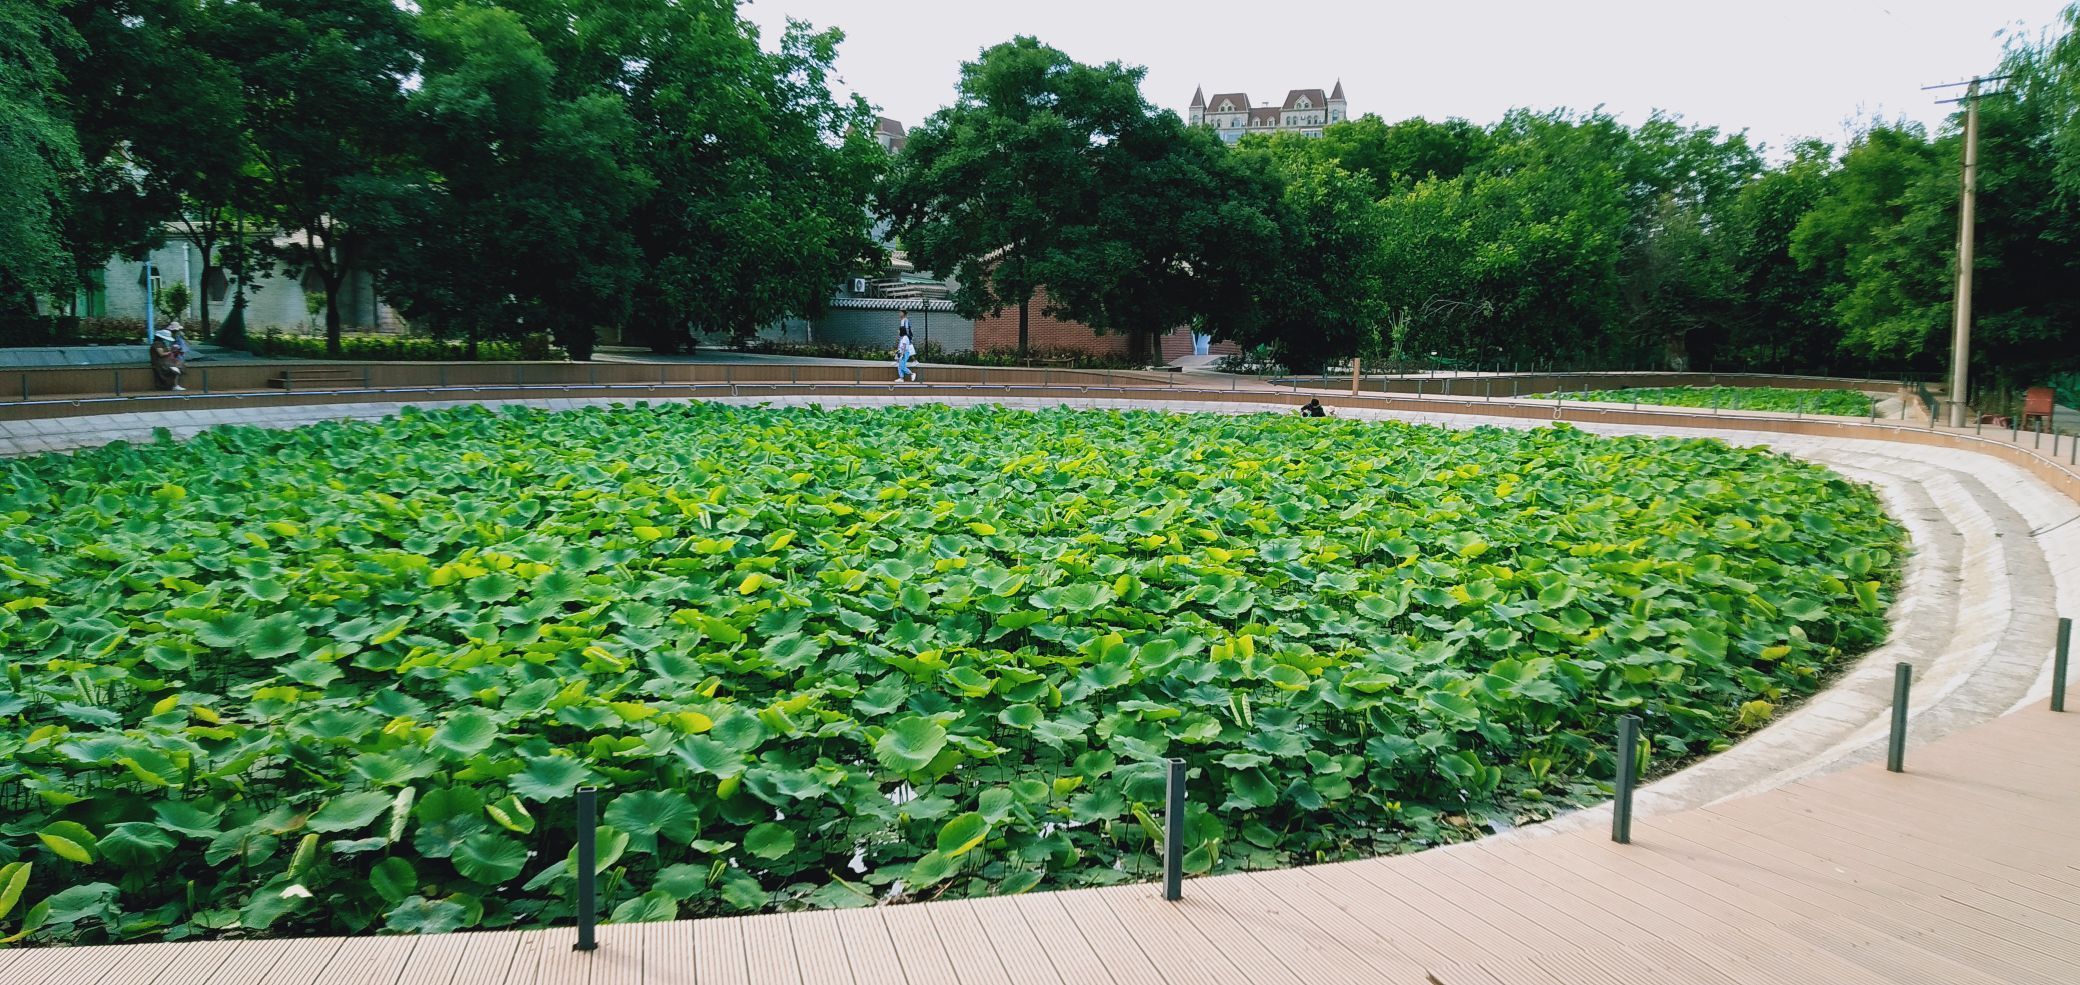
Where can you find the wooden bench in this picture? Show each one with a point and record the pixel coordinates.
(2036, 402)
(318, 378)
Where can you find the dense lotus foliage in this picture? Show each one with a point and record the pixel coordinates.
(349, 677)
(1847, 403)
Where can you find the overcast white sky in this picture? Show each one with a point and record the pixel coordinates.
(1778, 69)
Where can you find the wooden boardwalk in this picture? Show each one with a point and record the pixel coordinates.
(1965, 870)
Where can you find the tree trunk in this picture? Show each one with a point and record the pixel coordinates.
(333, 347)
(1022, 328)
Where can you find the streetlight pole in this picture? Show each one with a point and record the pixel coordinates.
(1961, 331)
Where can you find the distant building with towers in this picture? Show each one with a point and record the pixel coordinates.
(890, 135)
(1305, 111)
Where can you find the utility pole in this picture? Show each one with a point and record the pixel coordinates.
(1961, 329)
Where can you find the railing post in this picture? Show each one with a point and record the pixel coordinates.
(25, 386)
(1628, 770)
(1173, 831)
(588, 904)
(1896, 746)
(118, 374)
(364, 377)
(2058, 664)
(444, 375)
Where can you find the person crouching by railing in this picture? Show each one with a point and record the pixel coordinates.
(166, 362)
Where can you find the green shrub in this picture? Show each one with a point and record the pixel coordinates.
(1845, 403)
(402, 348)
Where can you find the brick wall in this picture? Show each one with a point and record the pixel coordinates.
(1043, 331)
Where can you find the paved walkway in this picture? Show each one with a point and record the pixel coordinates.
(1788, 858)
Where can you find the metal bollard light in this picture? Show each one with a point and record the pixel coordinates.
(1173, 831)
(588, 845)
(2058, 664)
(1896, 745)
(1628, 777)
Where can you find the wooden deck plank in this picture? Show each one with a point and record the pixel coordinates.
(526, 968)
(435, 960)
(1906, 896)
(1319, 944)
(769, 950)
(1125, 959)
(485, 959)
(295, 961)
(868, 948)
(967, 946)
(369, 961)
(718, 953)
(1068, 951)
(997, 923)
(1171, 942)
(917, 945)
(1828, 897)
(195, 963)
(820, 948)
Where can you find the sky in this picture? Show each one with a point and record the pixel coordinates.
(1779, 70)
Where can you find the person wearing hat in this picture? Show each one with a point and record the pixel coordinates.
(166, 361)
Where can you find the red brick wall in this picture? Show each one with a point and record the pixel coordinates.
(1043, 331)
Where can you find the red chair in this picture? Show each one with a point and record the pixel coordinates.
(2036, 402)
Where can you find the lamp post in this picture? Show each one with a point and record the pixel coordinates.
(151, 301)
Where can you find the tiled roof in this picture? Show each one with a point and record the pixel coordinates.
(1337, 93)
(1240, 99)
(1315, 99)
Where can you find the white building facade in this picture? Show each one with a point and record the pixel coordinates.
(1305, 111)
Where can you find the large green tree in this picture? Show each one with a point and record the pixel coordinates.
(997, 189)
(522, 220)
(157, 100)
(759, 175)
(38, 150)
(325, 102)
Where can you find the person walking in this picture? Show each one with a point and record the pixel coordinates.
(906, 350)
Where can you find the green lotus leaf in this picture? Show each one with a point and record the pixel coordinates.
(393, 879)
(489, 858)
(769, 840)
(419, 915)
(910, 744)
(466, 734)
(347, 812)
(648, 814)
(548, 778)
(650, 907)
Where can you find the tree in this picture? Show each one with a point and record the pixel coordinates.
(38, 149)
(760, 176)
(1323, 289)
(996, 188)
(158, 103)
(522, 221)
(1876, 240)
(326, 109)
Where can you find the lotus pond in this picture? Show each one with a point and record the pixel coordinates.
(1847, 403)
(349, 677)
